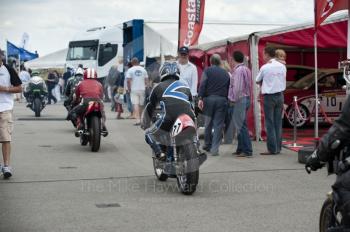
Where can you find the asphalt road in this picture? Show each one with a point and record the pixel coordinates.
(60, 186)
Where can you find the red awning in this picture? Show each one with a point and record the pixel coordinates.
(332, 35)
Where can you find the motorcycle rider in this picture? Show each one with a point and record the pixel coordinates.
(90, 89)
(337, 137)
(70, 87)
(35, 79)
(174, 98)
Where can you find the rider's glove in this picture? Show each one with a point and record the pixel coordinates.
(313, 163)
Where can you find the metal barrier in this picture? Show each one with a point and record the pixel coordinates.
(297, 113)
(295, 132)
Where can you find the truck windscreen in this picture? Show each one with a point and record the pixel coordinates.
(82, 50)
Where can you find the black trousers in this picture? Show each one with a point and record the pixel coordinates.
(79, 110)
(50, 87)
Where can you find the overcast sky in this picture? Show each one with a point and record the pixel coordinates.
(52, 23)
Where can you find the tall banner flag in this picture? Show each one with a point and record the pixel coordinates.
(324, 8)
(191, 17)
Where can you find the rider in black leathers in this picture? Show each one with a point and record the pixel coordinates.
(174, 98)
(328, 149)
(70, 87)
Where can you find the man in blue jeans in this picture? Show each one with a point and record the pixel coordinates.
(213, 102)
(239, 97)
(272, 77)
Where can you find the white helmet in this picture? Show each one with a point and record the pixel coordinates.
(79, 71)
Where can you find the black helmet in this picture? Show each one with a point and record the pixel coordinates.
(169, 70)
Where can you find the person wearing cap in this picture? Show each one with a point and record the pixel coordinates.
(9, 84)
(188, 71)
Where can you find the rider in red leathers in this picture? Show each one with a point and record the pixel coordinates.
(90, 89)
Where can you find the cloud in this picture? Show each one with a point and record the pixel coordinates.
(52, 23)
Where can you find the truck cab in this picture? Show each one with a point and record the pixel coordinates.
(98, 48)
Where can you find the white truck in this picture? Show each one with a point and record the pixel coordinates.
(98, 48)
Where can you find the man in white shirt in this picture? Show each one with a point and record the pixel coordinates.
(272, 77)
(24, 75)
(188, 71)
(9, 84)
(25, 78)
(137, 81)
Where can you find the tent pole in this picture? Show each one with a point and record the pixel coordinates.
(19, 62)
(348, 47)
(7, 62)
(254, 59)
(316, 87)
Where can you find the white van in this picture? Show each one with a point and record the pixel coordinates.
(98, 48)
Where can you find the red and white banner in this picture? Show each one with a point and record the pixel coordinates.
(191, 18)
(324, 8)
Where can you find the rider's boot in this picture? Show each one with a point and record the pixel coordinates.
(80, 128)
(104, 131)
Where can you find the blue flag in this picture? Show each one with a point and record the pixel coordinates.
(14, 51)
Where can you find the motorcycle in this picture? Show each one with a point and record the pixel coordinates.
(92, 131)
(331, 215)
(36, 93)
(183, 158)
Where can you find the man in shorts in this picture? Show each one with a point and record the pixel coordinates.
(137, 81)
(9, 84)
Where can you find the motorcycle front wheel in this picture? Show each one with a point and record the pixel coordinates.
(327, 219)
(188, 180)
(37, 107)
(95, 133)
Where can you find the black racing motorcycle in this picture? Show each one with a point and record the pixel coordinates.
(331, 215)
(36, 94)
(182, 159)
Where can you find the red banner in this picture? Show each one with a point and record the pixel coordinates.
(191, 18)
(324, 8)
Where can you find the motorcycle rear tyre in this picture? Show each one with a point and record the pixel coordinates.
(95, 133)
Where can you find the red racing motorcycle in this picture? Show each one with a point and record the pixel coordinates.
(92, 130)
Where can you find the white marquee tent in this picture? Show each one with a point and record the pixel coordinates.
(161, 38)
(53, 60)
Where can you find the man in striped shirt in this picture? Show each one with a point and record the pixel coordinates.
(239, 97)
